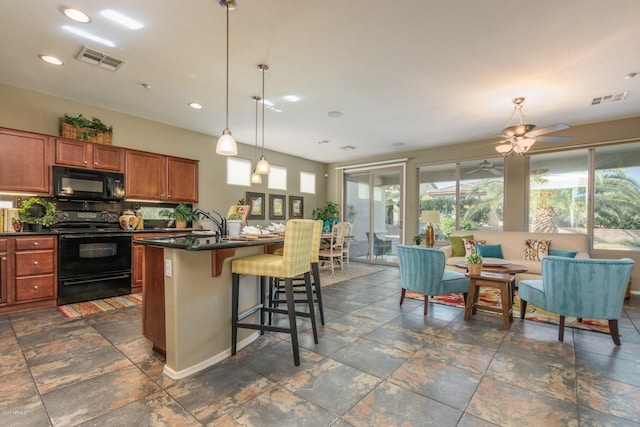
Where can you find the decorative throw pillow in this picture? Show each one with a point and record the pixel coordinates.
(535, 250)
(566, 254)
(490, 251)
(470, 246)
(457, 245)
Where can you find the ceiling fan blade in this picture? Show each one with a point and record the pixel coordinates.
(495, 171)
(548, 129)
(553, 138)
(473, 171)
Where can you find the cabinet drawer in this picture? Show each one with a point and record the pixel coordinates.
(29, 288)
(33, 243)
(32, 263)
(4, 245)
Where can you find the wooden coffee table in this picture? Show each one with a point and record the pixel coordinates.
(503, 282)
(502, 269)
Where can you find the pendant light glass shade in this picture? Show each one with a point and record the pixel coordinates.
(226, 145)
(263, 167)
(256, 178)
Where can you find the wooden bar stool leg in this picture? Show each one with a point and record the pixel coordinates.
(235, 293)
(263, 286)
(316, 283)
(291, 308)
(312, 313)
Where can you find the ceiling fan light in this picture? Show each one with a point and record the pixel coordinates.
(226, 145)
(526, 142)
(263, 167)
(256, 178)
(504, 149)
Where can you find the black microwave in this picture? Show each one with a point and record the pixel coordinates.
(87, 184)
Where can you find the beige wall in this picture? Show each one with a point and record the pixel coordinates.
(516, 174)
(36, 112)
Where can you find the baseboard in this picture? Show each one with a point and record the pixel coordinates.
(183, 373)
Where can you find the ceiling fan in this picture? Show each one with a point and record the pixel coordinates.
(520, 137)
(486, 166)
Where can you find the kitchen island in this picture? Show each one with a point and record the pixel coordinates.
(186, 309)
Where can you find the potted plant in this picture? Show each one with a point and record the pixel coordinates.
(85, 129)
(234, 223)
(181, 213)
(417, 239)
(474, 264)
(329, 213)
(37, 213)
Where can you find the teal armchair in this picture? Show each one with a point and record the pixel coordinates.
(422, 271)
(583, 288)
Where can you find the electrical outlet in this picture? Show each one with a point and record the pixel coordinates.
(167, 268)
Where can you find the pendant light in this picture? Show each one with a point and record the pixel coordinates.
(263, 167)
(256, 178)
(226, 145)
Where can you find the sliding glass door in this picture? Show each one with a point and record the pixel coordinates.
(373, 203)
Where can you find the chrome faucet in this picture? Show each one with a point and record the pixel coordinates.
(221, 223)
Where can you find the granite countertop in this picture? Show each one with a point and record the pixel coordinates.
(56, 232)
(199, 242)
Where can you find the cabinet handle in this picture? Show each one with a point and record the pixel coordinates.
(35, 262)
(4, 258)
(95, 163)
(35, 287)
(85, 162)
(35, 243)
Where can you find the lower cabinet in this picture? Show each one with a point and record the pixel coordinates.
(28, 273)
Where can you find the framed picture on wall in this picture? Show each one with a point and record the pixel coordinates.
(277, 206)
(256, 205)
(296, 207)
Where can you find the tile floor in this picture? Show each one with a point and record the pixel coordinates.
(377, 364)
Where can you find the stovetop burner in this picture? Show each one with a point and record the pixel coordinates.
(87, 222)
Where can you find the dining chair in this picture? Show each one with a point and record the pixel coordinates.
(347, 242)
(579, 287)
(422, 270)
(333, 254)
(293, 262)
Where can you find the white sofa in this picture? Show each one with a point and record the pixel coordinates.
(513, 243)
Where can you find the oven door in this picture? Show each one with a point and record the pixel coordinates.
(93, 254)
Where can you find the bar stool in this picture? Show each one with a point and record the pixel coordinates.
(293, 262)
(275, 288)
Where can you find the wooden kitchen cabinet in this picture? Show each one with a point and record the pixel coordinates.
(35, 268)
(4, 272)
(28, 272)
(88, 155)
(25, 161)
(151, 176)
(137, 262)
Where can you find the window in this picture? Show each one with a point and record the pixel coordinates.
(278, 178)
(558, 192)
(238, 171)
(473, 202)
(616, 219)
(307, 182)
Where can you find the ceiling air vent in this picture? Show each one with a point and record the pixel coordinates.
(609, 98)
(101, 60)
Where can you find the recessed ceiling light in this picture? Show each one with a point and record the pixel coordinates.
(51, 59)
(89, 36)
(334, 114)
(121, 19)
(630, 75)
(195, 106)
(291, 98)
(75, 14)
(146, 85)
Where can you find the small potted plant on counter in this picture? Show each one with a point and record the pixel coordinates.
(181, 214)
(417, 239)
(234, 223)
(37, 213)
(474, 264)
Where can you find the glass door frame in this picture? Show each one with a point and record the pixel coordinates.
(371, 169)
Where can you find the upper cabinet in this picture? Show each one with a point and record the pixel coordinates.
(151, 176)
(88, 155)
(25, 161)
